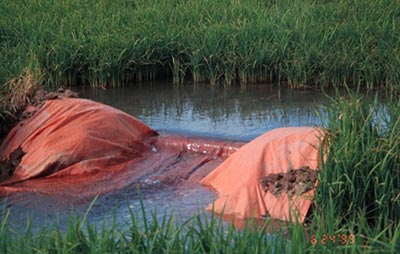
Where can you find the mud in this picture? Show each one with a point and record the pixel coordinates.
(40, 97)
(8, 166)
(17, 112)
(294, 182)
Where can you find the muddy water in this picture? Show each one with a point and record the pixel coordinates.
(230, 113)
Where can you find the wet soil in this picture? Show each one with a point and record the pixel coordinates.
(40, 97)
(15, 112)
(294, 182)
(8, 166)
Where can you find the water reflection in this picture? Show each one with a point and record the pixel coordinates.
(231, 113)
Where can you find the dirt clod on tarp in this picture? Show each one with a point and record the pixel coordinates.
(40, 97)
(7, 167)
(25, 100)
(294, 182)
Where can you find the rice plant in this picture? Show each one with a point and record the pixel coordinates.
(199, 234)
(301, 42)
(359, 186)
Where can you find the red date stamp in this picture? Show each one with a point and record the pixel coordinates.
(340, 239)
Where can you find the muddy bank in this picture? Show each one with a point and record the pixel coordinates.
(40, 97)
(25, 98)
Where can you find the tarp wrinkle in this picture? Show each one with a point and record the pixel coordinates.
(238, 179)
(79, 148)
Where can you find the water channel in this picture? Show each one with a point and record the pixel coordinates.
(191, 110)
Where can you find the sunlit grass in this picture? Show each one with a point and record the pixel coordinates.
(301, 42)
(359, 186)
(199, 234)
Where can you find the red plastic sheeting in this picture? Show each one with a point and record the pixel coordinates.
(237, 179)
(78, 148)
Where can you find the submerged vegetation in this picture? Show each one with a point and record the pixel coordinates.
(301, 42)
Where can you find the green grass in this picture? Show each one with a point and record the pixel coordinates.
(301, 42)
(359, 184)
(199, 234)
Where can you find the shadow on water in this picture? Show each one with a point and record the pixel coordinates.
(229, 113)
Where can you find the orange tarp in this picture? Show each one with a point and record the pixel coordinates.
(237, 179)
(78, 148)
(74, 134)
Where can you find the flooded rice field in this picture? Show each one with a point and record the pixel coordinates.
(233, 113)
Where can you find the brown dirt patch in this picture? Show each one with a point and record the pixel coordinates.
(40, 97)
(294, 182)
(21, 97)
(8, 166)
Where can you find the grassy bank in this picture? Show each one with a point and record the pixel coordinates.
(302, 42)
(14, 97)
(359, 184)
(199, 234)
